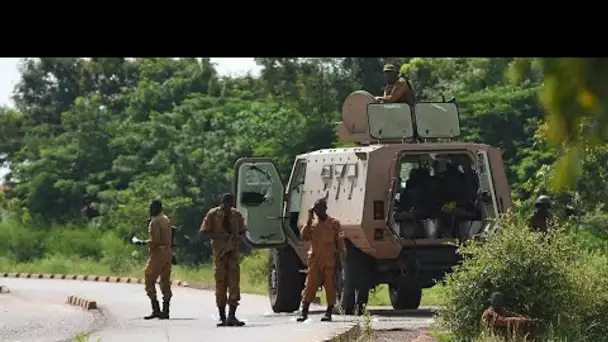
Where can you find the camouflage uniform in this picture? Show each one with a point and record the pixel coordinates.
(541, 219)
(505, 323)
(159, 263)
(399, 92)
(225, 229)
(326, 243)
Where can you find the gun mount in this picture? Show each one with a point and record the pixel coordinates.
(365, 121)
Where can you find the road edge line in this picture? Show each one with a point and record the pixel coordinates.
(95, 278)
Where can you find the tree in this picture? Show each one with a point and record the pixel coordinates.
(574, 93)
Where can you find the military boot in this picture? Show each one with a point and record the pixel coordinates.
(361, 309)
(155, 310)
(304, 314)
(165, 313)
(328, 312)
(222, 313)
(232, 320)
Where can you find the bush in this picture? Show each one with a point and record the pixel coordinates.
(553, 279)
(255, 265)
(73, 240)
(19, 242)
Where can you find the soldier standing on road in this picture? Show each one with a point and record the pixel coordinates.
(398, 88)
(159, 260)
(225, 226)
(326, 241)
(501, 321)
(541, 219)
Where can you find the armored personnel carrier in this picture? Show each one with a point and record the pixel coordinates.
(406, 194)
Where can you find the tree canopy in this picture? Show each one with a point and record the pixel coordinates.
(92, 141)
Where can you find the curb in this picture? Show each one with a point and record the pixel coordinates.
(4, 289)
(106, 279)
(82, 302)
(352, 333)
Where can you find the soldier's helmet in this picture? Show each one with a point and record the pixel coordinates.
(543, 200)
(389, 67)
(569, 211)
(496, 299)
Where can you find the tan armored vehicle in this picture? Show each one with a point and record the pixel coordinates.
(406, 195)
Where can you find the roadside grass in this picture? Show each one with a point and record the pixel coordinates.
(380, 296)
(253, 274)
(59, 264)
(76, 250)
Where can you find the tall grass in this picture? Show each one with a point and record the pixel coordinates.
(76, 250)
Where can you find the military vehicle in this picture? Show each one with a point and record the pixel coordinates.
(406, 195)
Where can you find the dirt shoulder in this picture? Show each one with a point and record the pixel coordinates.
(402, 335)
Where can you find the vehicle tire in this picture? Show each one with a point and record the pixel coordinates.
(285, 282)
(347, 297)
(355, 279)
(405, 296)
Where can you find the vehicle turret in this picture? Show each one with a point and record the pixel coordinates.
(365, 121)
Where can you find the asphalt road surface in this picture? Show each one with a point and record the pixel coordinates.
(35, 310)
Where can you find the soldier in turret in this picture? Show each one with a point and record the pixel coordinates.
(398, 88)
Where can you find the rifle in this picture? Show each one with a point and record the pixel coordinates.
(229, 243)
(339, 280)
(136, 241)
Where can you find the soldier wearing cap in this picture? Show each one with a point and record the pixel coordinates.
(503, 322)
(159, 259)
(398, 88)
(225, 226)
(326, 240)
(541, 219)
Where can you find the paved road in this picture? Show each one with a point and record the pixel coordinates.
(24, 319)
(35, 311)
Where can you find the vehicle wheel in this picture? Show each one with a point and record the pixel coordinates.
(347, 297)
(405, 296)
(355, 282)
(285, 282)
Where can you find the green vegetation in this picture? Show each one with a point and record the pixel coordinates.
(90, 142)
(555, 279)
(113, 257)
(84, 337)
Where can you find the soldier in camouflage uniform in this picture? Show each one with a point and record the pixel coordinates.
(398, 88)
(505, 323)
(542, 217)
(225, 226)
(159, 261)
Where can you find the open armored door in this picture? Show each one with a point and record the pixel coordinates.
(259, 197)
(487, 195)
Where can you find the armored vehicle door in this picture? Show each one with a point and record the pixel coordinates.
(487, 193)
(259, 197)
